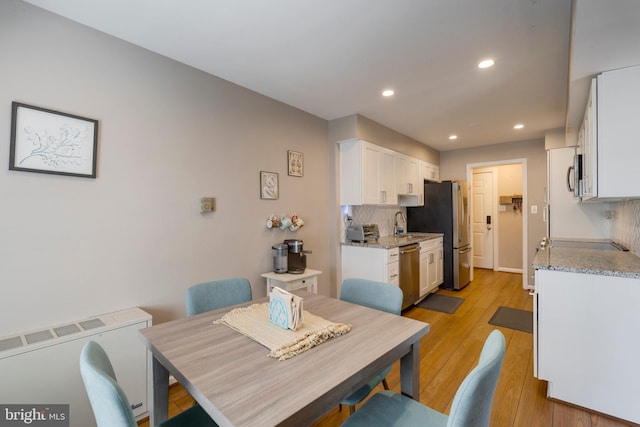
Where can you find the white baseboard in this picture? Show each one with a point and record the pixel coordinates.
(509, 270)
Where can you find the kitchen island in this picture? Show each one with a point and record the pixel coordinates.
(586, 328)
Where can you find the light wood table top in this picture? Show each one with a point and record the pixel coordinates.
(235, 381)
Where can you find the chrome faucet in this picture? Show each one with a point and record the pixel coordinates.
(395, 222)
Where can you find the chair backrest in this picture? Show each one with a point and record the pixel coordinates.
(110, 405)
(372, 294)
(472, 403)
(217, 294)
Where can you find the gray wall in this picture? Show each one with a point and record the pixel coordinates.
(169, 135)
(453, 165)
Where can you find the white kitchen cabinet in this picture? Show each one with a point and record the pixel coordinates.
(439, 265)
(608, 137)
(367, 174)
(431, 266)
(410, 185)
(379, 264)
(407, 175)
(585, 340)
(429, 172)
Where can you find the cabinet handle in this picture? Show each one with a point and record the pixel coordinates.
(431, 259)
(394, 275)
(393, 255)
(383, 195)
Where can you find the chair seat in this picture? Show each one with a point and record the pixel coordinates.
(194, 416)
(389, 409)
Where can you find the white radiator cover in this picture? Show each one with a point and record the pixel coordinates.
(42, 367)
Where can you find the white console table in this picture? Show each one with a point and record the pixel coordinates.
(290, 282)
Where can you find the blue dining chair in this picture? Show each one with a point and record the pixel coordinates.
(110, 405)
(217, 294)
(379, 296)
(471, 405)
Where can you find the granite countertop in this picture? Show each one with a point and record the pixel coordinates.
(588, 261)
(390, 242)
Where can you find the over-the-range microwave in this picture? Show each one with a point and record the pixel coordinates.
(574, 176)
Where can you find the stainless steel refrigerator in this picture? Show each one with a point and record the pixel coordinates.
(446, 210)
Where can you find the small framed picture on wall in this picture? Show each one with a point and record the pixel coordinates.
(268, 185)
(296, 163)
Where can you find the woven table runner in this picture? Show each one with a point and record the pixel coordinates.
(253, 322)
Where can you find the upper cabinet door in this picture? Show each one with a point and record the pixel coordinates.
(617, 133)
(388, 177)
(371, 174)
(609, 137)
(429, 172)
(407, 173)
(367, 174)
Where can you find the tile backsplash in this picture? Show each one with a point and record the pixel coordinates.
(381, 215)
(626, 225)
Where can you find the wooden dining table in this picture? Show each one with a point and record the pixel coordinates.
(238, 384)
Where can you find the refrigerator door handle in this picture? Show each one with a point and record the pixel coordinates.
(461, 203)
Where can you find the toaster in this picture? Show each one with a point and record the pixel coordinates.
(363, 233)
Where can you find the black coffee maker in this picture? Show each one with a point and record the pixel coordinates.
(297, 257)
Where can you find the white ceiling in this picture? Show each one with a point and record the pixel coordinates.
(332, 58)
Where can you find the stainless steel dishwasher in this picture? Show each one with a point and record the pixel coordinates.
(410, 273)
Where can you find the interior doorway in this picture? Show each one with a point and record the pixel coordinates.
(502, 244)
(482, 216)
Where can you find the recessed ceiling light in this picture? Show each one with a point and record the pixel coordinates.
(518, 126)
(486, 63)
(388, 92)
(452, 137)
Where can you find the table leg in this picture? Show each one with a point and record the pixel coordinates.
(410, 372)
(160, 393)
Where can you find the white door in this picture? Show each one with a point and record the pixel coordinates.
(482, 221)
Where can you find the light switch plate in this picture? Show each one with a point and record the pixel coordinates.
(208, 204)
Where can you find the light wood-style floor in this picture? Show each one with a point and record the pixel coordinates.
(451, 350)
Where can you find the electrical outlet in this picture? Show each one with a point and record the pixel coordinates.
(207, 204)
(534, 209)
